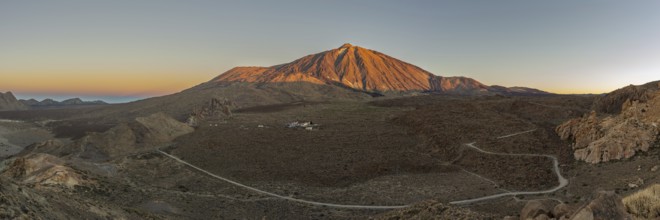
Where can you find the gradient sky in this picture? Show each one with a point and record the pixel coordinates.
(126, 49)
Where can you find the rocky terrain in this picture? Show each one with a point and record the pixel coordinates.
(405, 151)
(389, 141)
(600, 137)
(9, 102)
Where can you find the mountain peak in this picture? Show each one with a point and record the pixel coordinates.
(346, 45)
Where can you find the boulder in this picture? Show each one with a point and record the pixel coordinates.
(432, 209)
(533, 209)
(606, 205)
(561, 210)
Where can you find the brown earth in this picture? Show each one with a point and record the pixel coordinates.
(387, 152)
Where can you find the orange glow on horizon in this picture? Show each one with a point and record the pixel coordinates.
(101, 83)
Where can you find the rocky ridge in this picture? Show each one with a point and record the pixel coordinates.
(600, 137)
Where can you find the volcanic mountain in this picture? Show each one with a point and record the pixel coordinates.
(348, 73)
(356, 68)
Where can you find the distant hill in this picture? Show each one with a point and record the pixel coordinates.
(8, 102)
(53, 103)
(517, 91)
(365, 70)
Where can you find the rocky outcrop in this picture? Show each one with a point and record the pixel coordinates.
(433, 210)
(603, 205)
(8, 102)
(603, 138)
(44, 170)
(612, 102)
(535, 209)
(212, 109)
(606, 205)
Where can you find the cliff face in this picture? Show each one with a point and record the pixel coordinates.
(8, 102)
(601, 138)
(611, 103)
(357, 68)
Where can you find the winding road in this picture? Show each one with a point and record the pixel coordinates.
(281, 196)
(562, 182)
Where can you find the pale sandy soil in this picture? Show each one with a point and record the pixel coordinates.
(16, 135)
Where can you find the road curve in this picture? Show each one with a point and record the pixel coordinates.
(562, 181)
(280, 196)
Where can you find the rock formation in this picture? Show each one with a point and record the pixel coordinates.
(8, 102)
(433, 210)
(213, 108)
(44, 170)
(611, 103)
(606, 205)
(600, 138)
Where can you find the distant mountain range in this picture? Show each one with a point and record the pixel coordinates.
(68, 102)
(366, 70)
(8, 102)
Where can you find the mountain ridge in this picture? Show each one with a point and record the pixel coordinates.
(68, 102)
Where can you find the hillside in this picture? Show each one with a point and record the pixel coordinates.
(8, 102)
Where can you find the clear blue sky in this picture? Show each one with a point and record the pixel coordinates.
(138, 48)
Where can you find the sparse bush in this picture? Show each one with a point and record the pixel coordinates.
(644, 204)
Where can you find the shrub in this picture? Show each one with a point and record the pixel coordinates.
(644, 204)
